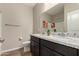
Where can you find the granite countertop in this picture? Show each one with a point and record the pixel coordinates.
(68, 41)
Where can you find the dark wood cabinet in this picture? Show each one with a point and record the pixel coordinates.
(62, 49)
(77, 52)
(44, 51)
(34, 47)
(41, 47)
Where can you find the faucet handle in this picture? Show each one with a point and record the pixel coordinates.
(74, 34)
(68, 35)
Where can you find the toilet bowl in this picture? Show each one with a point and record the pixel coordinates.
(26, 46)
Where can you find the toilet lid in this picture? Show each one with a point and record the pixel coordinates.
(26, 42)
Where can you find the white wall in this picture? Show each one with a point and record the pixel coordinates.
(16, 14)
(37, 10)
(48, 6)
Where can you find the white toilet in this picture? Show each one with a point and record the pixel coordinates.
(26, 46)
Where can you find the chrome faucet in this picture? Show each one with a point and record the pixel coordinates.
(74, 34)
(62, 34)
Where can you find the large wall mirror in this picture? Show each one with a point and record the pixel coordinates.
(55, 18)
(65, 17)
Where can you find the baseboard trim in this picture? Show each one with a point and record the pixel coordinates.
(11, 50)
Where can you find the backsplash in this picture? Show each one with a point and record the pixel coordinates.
(66, 34)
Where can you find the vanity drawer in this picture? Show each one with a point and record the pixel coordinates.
(44, 51)
(62, 49)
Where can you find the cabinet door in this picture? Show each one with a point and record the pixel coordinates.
(35, 48)
(62, 49)
(77, 52)
(44, 51)
(32, 47)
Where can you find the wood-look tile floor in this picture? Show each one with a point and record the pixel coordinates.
(19, 52)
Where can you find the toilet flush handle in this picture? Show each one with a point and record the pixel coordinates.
(2, 40)
(20, 38)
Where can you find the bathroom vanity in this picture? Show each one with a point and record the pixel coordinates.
(64, 18)
(42, 45)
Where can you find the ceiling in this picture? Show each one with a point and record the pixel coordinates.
(26, 4)
(30, 4)
(55, 10)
